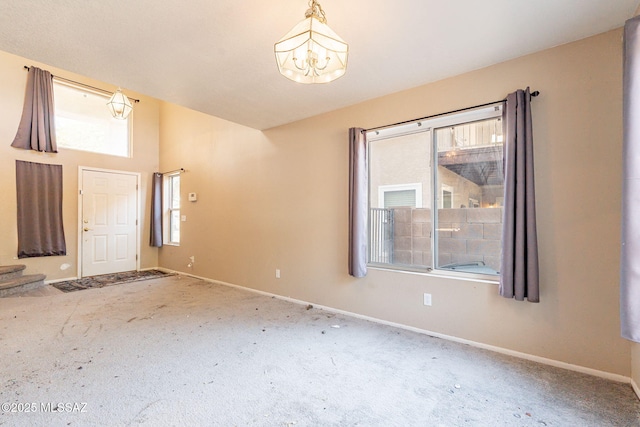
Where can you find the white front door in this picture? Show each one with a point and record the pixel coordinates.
(109, 222)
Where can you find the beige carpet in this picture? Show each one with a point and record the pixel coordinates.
(182, 352)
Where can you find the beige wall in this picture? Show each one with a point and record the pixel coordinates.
(145, 160)
(463, 189)
(398, 161)
(279, 200)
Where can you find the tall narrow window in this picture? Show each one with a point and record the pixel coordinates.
(435, 194)
(173, 211)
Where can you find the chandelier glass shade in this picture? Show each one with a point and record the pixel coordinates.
(312, 52)
(119, 105)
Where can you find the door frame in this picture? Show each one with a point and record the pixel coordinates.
(81, 169)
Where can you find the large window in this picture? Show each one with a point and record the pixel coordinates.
(435, 194)
(83, 122)
(172, 232)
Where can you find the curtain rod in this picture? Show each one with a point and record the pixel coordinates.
(26, 67)
(533, 94)
(181, 170)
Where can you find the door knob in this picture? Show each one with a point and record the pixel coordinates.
(87, 229)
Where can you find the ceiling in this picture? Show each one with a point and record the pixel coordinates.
(216, 56)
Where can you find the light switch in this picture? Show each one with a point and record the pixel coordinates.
(193, 197)
(183, 218)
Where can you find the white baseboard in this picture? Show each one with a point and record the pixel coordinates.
(635, 387)
(518, 354)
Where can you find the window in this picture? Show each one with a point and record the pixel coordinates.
(172, 232)
(435, 194)
(390, 196)
(83, 122)
(446, 200)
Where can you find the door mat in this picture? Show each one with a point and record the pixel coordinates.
(108, 280)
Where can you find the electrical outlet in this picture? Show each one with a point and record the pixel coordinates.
(277, 273)
(192, 258)
(427, 299)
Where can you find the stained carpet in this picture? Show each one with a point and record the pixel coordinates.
(108, 280)
(179, 351)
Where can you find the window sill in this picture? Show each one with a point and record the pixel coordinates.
(469, 277)
(171, 244)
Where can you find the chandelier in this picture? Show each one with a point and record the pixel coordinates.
(312, 52)
(119, 105)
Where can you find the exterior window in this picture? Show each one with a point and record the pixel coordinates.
(407, 195)
(83, 122)
(173, 209)
(446, 201)
(435, 194)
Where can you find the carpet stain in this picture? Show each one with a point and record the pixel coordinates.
(108, 280)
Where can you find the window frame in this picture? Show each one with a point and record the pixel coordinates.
(429, 125)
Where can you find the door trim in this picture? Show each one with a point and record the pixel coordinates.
(81, 169)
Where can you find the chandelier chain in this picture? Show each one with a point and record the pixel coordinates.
(316, 10)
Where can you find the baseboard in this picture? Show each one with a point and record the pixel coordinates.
(635, 387)
(501, 350)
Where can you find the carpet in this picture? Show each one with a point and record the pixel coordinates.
(179, 351)
(108, 280)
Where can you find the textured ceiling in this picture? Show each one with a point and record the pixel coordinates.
(216, 56)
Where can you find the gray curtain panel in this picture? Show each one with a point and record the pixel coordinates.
(358, 202)
(519, 263)
(630, 253)
(156, 210)
(39, 196)
(37, 129)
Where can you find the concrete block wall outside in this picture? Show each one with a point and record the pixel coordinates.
(464, 235)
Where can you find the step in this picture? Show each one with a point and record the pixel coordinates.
(17, 285)
(8, 272)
